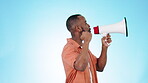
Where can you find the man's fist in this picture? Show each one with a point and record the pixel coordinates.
(86, 36)
(106, 40)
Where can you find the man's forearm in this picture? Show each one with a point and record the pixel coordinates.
(101, 61)
(82, 60)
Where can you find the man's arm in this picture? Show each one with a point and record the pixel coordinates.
(82, 59)
(101, 61)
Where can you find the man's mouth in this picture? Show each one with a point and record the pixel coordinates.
(89, 30)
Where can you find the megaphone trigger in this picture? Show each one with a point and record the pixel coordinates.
(104, 34)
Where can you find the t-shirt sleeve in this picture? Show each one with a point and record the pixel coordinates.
(69, 56)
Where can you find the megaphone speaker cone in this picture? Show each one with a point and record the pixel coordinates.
(120, 27)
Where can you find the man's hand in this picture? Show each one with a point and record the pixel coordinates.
(86, 36)
(106, 40)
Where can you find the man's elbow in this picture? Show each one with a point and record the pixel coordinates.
(101, 69)
(80, 68)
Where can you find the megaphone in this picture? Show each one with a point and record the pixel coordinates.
(120, 27)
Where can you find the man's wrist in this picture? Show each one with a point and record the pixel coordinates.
(86, 43)
(104, 47)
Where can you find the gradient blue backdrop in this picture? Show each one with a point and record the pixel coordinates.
(33, 33)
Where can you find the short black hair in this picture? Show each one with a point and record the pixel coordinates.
(71, 20)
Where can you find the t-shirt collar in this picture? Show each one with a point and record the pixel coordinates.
(70, 40)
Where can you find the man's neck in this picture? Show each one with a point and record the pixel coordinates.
(78, 40)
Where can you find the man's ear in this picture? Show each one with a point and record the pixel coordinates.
(78, 29)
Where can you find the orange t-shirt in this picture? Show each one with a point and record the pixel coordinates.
(70, 52)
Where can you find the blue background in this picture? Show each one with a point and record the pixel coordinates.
(33, 33)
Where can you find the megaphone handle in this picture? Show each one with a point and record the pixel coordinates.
(104, 35)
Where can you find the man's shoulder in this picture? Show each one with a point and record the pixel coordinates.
(68, 46)
(68, 49)
(71, 44)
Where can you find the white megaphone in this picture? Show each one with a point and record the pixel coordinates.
(120, 27)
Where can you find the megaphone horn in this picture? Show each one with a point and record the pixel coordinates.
(120, 27)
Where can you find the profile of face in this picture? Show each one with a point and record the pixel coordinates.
(83, 24)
